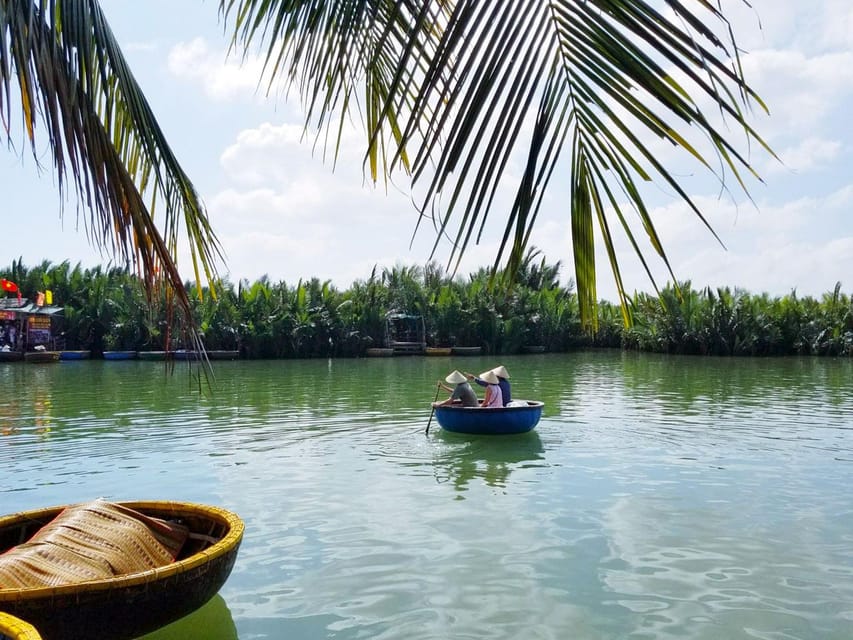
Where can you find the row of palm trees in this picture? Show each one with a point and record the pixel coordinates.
(107, 308)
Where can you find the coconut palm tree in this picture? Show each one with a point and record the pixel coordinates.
(451, 92)
(60, 62)
(454, 92)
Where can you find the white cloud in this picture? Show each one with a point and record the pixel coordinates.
(222, 77)
(835, 24)
(809, 154)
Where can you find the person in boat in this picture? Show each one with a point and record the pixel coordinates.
(462, 391)
(494, 397)
(503, 380)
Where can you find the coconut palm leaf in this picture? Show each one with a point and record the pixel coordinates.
(455, 92)
(60, 60)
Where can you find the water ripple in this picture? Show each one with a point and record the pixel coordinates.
(657, 498)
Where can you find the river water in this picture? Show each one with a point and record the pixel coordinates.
(659, 497)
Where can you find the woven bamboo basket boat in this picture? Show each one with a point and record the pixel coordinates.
(129, 605)
(16, 629)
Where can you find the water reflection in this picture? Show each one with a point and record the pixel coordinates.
(461, 459)
(32, 412)
(212, 621)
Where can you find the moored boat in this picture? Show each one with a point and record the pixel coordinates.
(520, 416)
(439, 351)
(213, 354)
(82, 354)
(120, 355)
(533, 348)
(41, 356)
(380, 352)
(132, 604)
(466, 351)
(11, 356)
(153, 355)
(223, 354)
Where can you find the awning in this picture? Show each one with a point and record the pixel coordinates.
(27, 307)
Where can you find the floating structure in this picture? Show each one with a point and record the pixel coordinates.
(27, 327)
(405, 333)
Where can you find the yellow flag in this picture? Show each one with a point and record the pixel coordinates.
(48, 296)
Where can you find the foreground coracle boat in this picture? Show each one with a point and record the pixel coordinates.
(129, 605)
(520, 417)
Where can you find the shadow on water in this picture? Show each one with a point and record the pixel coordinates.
(461, 459)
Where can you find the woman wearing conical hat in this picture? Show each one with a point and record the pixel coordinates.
(494, 397)
(503, 380)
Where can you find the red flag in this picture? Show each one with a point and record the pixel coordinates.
(8, 285)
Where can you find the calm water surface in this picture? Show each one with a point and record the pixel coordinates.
(658, 498)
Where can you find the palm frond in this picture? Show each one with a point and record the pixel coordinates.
(74, 81)
(455, 92)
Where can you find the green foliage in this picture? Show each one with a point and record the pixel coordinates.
(107, 308)
(730, 322)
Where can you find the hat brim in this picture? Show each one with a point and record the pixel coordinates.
(455, 378)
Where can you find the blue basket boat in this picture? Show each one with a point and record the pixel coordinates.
(522, 416)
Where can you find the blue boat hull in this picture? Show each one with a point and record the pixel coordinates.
(474, 420)
(119, 355)
(75, 355)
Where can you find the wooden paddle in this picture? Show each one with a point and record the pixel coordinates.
(431, 413)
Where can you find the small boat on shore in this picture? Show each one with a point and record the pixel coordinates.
(223, 354)
(520, 416)
(83, 354)
(154, 355)
(380, 352)
(466, 351)
(438, 351)
(120, 355)
(127, 605)
(213, 354)
(41, 356)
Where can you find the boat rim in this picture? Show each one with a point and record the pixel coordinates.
(531, 404)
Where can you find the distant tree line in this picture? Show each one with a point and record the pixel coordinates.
(107, 308)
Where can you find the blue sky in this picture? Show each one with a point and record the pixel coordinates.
(280, 210)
